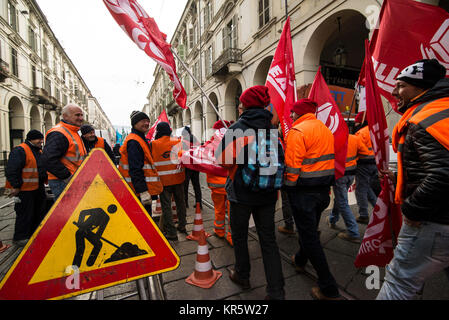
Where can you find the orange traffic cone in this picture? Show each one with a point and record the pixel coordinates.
(4, 247)
(173, 207)
(203, 276)
(197, 225)
(158, 211)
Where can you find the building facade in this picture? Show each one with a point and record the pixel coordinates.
(229, 46)
(37, 78)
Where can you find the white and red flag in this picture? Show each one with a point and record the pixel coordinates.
(385, 222)
(407, 31)
(329, 113)
(162, 118)
(281, 81)
(143, 30)
(202, 158)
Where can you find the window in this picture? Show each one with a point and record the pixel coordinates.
(191, 38)
(196, 73)
(208, 14)
(13, 17)
(32, 39)
(47, 85)
(14, 62)
(209, 60)
(264, 12)
(45, 53)
(230, 34)
(33, 76)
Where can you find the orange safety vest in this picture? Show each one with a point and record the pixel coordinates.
(76, 152)
(99, 143)
(364, 135)
(30, 173)
(433, 116)
(152, 179)
(356, 149)
(165, 152)
(309, 152)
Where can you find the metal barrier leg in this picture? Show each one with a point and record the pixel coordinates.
(141, 289)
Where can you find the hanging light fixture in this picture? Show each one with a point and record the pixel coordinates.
(340, 54)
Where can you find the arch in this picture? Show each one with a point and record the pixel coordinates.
(232, 95)
(17, 124)
(48, 122)
(35, 119)
(321, 38)
(260, 76)
(211, 115)
(198, 121)
(187, 117)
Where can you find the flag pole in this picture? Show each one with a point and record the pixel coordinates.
(198, 84)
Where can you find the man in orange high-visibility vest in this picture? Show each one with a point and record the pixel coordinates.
(165, 152)
(91, 141)
(64, 149)
(25, 178)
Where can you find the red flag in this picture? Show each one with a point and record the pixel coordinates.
(143, 30)
(408, 31)
(377, 247)
(162, 118)
(329, 113)
(281, 81)
(202, 158)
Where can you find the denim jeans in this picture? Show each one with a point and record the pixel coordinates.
(56, 187)
(364, 193)
(421, 252)
(287, 210)
(307, 209)
(264, 219)
(341, 206)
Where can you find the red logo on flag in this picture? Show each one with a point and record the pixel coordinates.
(143, 30)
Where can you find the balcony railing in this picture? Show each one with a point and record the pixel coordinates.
(40, 96)
(4, 70)
(220, 67)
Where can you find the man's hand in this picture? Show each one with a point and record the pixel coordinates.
(13, 193)
(145, 198)
(67, 180)
(411, 223)
(389, 173)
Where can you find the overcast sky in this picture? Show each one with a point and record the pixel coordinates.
(115, 70)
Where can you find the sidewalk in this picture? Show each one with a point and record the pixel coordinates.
(340, 255)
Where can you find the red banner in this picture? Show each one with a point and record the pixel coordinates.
(329, 113)
(202, 158)
(385, 222)
(408, 31)
(281, 81)
(143, 30)
(162, 118)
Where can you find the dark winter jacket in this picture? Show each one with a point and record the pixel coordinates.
(16, 163)
(56, 146)
(426, 164)
(136, 163)
(91, 145)
(253, 118)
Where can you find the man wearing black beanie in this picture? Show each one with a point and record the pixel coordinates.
(26, 175)
(91, 141)
(421, 139)
(136, 164)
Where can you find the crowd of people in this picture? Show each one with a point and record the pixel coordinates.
(303, 175)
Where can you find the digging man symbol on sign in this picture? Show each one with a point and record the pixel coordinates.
(97, 219)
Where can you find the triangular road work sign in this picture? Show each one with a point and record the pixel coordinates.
(96, 235)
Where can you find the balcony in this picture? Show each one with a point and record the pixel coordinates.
(230, 62)
(40, 96)
(4, 70)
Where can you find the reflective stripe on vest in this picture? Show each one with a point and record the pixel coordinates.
(151, 176)
(30, 173)
(76, 151)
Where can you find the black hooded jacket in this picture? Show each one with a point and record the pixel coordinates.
(426, 165)
(253, 118)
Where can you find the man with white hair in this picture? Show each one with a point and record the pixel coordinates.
(64, 149)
